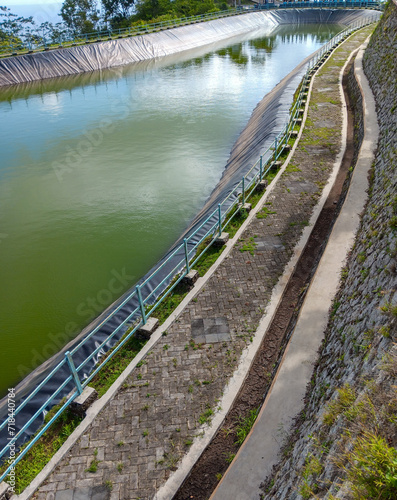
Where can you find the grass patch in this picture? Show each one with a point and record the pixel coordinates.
(93, 466)
(234, 224)
(292, 168)
(171, 302)
(244, 425)
(249, 246)
(112, 370)
(390, 309)
(312, 469)
(264, 213)
(208, 259)
(42, 451)
(205, 418)
(343, 404)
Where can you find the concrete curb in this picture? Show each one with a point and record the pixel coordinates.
(261, 450)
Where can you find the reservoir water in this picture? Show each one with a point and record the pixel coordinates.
(100, 173)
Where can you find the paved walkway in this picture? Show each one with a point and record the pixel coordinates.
(162, 407)
(261, 451)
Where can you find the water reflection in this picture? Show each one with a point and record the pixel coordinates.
(259, 43)
(190, 58)
(257, 49)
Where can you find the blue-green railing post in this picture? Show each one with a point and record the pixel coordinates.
(260, 167)
(186, 256)
(141, 304)
(275, 148)
(243, 191)
(70, 362)
(220, 219)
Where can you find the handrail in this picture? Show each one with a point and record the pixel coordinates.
(29, 46)
(217, 221)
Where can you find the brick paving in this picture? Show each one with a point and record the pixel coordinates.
(138, 439)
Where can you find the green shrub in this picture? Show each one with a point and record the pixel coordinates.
(373, 471)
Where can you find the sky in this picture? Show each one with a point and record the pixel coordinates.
(10, 3)
(41, 11)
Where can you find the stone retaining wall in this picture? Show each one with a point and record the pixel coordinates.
(352, 391)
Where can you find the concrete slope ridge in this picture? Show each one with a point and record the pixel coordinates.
(350, 406)
(320, 145)
(96, 56)
(262, 449)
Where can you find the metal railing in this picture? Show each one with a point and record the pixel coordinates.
(210, 228)
(39, 44)
(331, 5)
(31, 45)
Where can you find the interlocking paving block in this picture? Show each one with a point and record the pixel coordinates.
(100, 492)
(84, 494)
(300, 186)
(326, 123)
(270, 242)
(317, 150)
(210, 330)
(326, 104)
(64, 495)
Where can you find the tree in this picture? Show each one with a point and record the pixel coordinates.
(12, 29)
(48, 33)
(118, 12)
(151, 9)
(80, 16)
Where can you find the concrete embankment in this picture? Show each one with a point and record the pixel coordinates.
(351, 402)
(96, 56)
